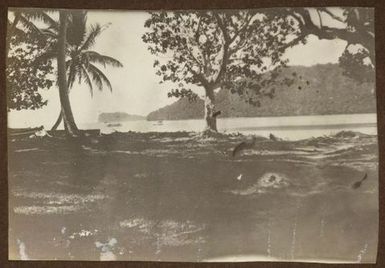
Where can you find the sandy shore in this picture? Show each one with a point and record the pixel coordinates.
(182, 197)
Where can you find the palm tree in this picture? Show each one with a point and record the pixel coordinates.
(26, 18)
(82, 64)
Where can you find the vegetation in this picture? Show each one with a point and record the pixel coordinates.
(81, 62)
(229, 49)
(320, 89)
(24, 78)
(355, 25)
(25, 18)
(215, 50)
(118, 117)
(180, 110)
(33, 50)
(69, 121)
(222, 51)
(182, 196)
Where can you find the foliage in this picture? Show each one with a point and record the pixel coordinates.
(356, 66)
(81, 63)
(25, 79)
(319, 89)
(355, 25)
(217, 49)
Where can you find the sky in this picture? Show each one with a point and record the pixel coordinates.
(136, 88)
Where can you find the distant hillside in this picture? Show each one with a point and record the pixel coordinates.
(181, 109)
(119, 117)
(327, 91)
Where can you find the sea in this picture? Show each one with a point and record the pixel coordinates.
(285, 127)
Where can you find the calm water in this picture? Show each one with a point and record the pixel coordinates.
(289, 127)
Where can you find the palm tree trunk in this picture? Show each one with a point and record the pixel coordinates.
(58, 121)
(68, 118)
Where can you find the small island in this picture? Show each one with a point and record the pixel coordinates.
(119, 117)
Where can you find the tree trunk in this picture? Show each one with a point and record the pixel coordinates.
(68, 118)
(211, 120)
(58, 121)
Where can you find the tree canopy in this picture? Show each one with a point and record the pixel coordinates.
(82, 63)
(355, 25)
(24, 78)
(34, 48)
(239, 50)
(216, 49)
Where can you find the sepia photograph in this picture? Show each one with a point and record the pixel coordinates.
(227, 135)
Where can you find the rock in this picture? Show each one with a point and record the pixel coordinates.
(273, 180)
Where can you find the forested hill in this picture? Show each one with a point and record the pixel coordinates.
(118, 117)
(317, 90)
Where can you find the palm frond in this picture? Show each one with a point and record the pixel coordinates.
(9, 23)
(71, 74)
(78, 72)
(14, 32)
(77, 27)
(50, 33)
(30, 26)
(41, 15)
(95, 57)
(95, 77)
(95, 31)
(99, 77)
(68, 64)
(87, 79)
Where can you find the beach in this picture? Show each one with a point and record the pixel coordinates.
(183, 197)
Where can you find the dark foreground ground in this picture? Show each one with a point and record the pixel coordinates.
(181, 197)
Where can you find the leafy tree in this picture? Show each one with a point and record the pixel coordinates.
(25, 79)
(81, 62)
(236, 50)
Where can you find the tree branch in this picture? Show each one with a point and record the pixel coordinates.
(226, 36)
(200, 50)
(331, 14)
(223, 66)
(320, 19)
(241, 30)
(307, 27)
